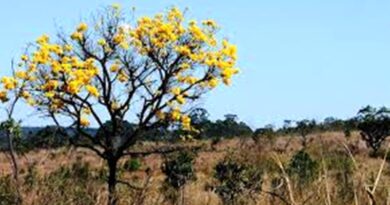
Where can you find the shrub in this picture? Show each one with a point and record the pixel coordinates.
(266, 132)
(132, 165)
(303, 168)
(179, 169)
(304, 128)
(8, 193)
(236, 179)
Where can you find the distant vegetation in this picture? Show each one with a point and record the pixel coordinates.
(230, 127)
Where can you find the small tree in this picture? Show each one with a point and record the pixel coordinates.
(374, 126)
(303, 168)
(12, 131)
(179, 170)
(267, 132)
(236, 179)
(304, 128)
(287, 127)
(10, 128)
(147, 73)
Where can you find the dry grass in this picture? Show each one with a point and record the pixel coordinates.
(272, 156)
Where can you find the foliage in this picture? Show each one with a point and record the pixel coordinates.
(267, 132)
(236, 179)
(227, 128)
(148, 71)
(329, 124)
(199, 116)
(50, 137)
(117, 132)
(12, 128)
(8, 194)
(374, 126)
(132, 165)
(304, 128)
(180, 59)
(303, 168)
(179, 169)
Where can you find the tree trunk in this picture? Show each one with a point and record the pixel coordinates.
(15, 168)
(112, 181)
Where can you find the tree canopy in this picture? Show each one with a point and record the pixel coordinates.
(111, 69)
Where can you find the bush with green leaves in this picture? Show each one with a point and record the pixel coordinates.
(236, 179)
(303, 168)
(179, 168)
(132, 165)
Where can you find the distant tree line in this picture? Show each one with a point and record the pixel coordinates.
(306, 126)
(373, 124)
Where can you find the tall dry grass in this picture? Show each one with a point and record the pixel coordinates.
(346, 175)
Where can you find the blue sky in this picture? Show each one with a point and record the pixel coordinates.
(299, 59)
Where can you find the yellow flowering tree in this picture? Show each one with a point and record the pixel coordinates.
(147, 72)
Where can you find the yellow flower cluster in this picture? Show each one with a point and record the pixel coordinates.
(79, 33)
(9, 83)
(84, 122)
(196, 43)
(92, 90)
(121, 38)
(186, 122)
(115, 67)
(175, 115)
(54, 72)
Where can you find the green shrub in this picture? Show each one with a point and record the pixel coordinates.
(132, 165)
(179, 169)
(303, 168)
(236, 179)
(266, 132)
